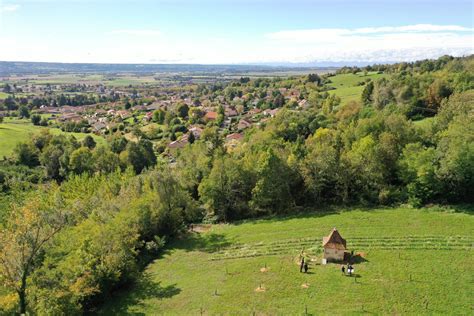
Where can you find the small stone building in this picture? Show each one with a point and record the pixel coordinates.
(334, 246)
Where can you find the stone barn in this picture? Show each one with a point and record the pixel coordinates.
(334, 246)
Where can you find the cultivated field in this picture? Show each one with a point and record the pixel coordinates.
(412, 262)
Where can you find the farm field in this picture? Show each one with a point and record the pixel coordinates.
(346, 85)
(413, 261)
(13, 131)
(118, 80)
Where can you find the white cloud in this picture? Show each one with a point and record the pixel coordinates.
(373, 44)
(136, 32)
(330, 33)
(370, 44)
(9, 8)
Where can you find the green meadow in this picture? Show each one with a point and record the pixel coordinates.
(410, 261)
(13, 131)
(346, 85)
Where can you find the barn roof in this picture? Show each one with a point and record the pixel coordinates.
(334, 241)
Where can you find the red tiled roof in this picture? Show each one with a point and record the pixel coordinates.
(211, 115)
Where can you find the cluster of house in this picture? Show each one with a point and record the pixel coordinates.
(245, 121)
(105, 116)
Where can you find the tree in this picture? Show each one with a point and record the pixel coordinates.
(367, 93)
(182, 110)
(26, 154)
(10, 103)
(54, 162)
(365, 169)
(314, 78)
(227, 190)
(81, 161)
(7, 88)
(89, 142)
(23, 112)
(456, 152)
(272, 189)
(118, 144)
(437, 91)
(22, 239)
(320, 167)
(418, 171)
(139, 155)
(105, 160)
(159, 116)
(36, 119)
(191, 138)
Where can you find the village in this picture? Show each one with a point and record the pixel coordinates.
(165, 114)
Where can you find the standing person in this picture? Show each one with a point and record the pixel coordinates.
(302, 264)
(305, 267)
(343, 269)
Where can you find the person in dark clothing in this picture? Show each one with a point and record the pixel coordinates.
(305, 267)
(343, 269)
(302, 264)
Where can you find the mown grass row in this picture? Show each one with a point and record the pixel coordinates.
(312, 246)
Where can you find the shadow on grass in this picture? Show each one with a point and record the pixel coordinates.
(300, 214)
(191, 241)
(135, 295)
(355, 259)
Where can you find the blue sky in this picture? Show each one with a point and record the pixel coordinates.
(233, 31)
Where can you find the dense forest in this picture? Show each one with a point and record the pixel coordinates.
(78, 220)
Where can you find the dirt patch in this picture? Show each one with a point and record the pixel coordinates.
(261, 288)
(263, 270)
(200, 228)
(305, 285)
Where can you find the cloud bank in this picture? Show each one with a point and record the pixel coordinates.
(316, 46)
(9, 8)
(374, 44)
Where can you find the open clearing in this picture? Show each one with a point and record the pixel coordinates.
(416, 262)
(346, 85)
(13, 131)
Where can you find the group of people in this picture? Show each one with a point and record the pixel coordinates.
(349, 269)
(303, 266)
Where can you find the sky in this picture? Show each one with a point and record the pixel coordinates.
(234, 31)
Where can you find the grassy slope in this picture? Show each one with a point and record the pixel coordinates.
(346, 85)
(184, 280)
(13, 131)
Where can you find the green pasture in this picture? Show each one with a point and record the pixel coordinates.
(347, 87)
(412, 261)
(13, 131)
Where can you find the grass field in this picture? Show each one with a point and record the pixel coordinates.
(13, 131)
(415, 262)
(346, 85)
